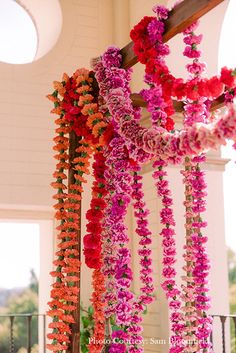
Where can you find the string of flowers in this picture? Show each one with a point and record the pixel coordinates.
(117, 162)
(147, 36)
(139, 133)
(160, 106)
(75, 105)
(195, 110)
(146, 297)
(60, 329)
(202, 264)
(169, 255)
(65, 289)
(93, 241)
(121, 78)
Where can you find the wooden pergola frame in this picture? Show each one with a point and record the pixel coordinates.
(182, 16)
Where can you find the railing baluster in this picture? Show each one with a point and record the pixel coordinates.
(211, 335)
(29, 319)
(11, 346)
(234, 320)
(223, 319)
(44, 333)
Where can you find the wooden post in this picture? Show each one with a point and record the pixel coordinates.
(75, 337)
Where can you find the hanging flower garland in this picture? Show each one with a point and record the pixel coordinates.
(194, 111)
(120, 145)
(145, 275)
(93, 242)
(78, 112)
(118, 98)
(120, 184)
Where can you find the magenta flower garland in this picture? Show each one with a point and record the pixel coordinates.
(188, 322)
(196, 320)
(109, 126)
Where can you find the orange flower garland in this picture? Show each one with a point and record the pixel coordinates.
(79, 112)
(65, 288)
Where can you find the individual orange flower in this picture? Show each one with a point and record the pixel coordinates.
(65, 77)
(56, 274)
(71, 279)
(57, 185)
(56, 110)
(93, 119)
(75, 197)
(71, 269)
(65, 244)
(60, 175)
(84, 88)
(87, 98)
(80, 178)
(69, 252)
(71, 205)
(64, 129)
(58, 262)
(63, 165)
(59, 87)
(60, 138)
(73, 261)
(58, 336)
(99, 128)
(89, 109)
(82, 168)
(57, 347)
(63, 155)
(52, 98)
(60, 121)
(68, 307)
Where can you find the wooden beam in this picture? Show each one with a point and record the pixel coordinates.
(182, 16)
(138, 101)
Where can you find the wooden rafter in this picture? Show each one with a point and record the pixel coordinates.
(138, 101)
(182, 16)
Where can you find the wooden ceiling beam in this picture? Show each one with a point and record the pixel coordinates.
(138, 101)
(182, 16)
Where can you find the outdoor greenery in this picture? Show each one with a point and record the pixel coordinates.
(86, 329)
(232, 293)
(24, 302)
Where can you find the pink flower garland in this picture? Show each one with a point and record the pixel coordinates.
(128, 316)
(145, 253)
(172, 147)
(196, 321)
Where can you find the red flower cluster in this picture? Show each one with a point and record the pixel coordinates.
(92, 240)
(152, 53)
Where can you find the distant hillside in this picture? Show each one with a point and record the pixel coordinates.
(5, 294)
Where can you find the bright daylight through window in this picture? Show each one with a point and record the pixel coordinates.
(18, 35)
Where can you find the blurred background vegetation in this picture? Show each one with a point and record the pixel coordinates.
(19, 301)
(232, 293)
(25, 301)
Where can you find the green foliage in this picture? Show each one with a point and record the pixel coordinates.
(34, 283)
(232, 293)
(24, 303)
(87, 327)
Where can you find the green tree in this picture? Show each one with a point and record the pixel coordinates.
(232, 292)
(34, 283)
(24, 303)
(232, 266)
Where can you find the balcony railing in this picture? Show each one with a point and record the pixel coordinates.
(226, 322)
(221, 330)
(41, 328)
